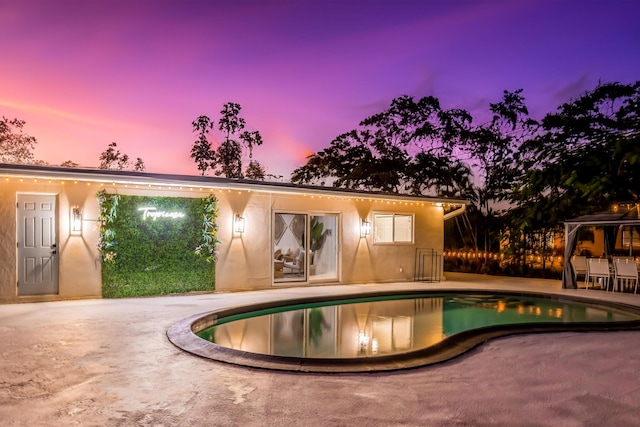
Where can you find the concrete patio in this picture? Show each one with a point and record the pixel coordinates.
(108, 362)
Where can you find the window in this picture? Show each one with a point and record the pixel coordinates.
(392, 228)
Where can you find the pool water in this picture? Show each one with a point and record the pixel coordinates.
(381, 326)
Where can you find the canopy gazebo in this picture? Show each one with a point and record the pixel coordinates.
(609, 222)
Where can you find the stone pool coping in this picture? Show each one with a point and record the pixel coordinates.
(182, 335)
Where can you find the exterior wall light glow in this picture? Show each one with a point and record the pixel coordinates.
(75, 220)
(238, 224)
(365, 228)
(363, 342)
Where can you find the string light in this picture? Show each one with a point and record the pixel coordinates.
(334, 197)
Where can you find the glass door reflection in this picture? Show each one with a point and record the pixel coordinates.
(289, 242)
(323, 247)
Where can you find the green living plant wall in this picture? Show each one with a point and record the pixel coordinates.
(156, 245)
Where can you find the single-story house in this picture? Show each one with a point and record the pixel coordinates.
(85, 233)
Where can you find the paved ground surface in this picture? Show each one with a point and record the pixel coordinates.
(108, 363)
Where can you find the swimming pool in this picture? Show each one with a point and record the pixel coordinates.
(391, 331)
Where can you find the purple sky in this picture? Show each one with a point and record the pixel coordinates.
(85, 73)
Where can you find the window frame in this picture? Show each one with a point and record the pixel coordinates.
(393, 228)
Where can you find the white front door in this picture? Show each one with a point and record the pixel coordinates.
(37, 245)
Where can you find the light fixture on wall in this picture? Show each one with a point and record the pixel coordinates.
(238, 224)
(75, 220)
(365, 228)
(363, 342)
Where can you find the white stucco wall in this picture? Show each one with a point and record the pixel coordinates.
(8, 289)
(245, 261)
(79, 269)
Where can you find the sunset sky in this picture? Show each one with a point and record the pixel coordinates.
(84, 73)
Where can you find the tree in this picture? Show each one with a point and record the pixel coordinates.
(402, 149)
(201, 151)
(445, 176)
(229, 155)
(226, 160)
(69, 164)
(492, 149)
(251, 139)
(139, 165)
(586, 158)
(15, 146)
(229, 159)
(255, 171)
(112, 158)
(348, 161)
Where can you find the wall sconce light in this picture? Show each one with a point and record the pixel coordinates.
(75, 220)
(365, 228)
(363, 342)
(238, 224)
(374, 346)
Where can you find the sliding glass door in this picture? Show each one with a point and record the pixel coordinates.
(323, 244)
(305, 247)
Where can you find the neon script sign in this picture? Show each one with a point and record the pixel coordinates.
(154, 214)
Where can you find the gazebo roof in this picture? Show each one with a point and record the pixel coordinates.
(622, 217)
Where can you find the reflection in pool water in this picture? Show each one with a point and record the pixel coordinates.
(377, 327)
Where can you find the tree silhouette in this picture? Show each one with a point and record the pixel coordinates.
(493, 148)
(201, 151)
(586, 158)
(139, 165)
(69, 164)
(396, 150)
(15, 146)
(255, 171)
(112, 158)
(227, 159)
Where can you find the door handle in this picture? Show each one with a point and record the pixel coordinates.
(53, 252)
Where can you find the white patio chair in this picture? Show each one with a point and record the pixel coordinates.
(624, 258)
(579, 264)
(597, 268)
(626, 273)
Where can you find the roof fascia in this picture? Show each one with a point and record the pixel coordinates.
(206, 182)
